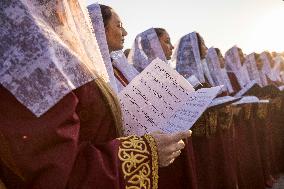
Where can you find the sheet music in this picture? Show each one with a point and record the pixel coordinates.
(222, 100)
(184, 118)
(159, 98)
(281, 88)
(247, 100)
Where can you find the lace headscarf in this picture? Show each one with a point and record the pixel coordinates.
(277, 67)
(145, 49)
(119, 61)
(187, 58)
(217, 69)
(254, 74)
(99, 29)
(47, 50)
(234, 64)
(266, 59)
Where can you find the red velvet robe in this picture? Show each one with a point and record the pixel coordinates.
(73, 145)
(249, 165)
(277, 117)
(212, 142)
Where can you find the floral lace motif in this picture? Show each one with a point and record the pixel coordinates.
(98, 26)
(146, 48)
(187, 57)
(47, 50)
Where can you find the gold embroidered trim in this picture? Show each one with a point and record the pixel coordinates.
(199, 128)
(247, 111)
(225, 117)
(212, 117)
(155, 165)
(134, 155)
(262, 111)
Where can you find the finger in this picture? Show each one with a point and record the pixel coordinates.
(178, 146)
(172, 160)
(181, 143)
(170, 149)
(181, 135)
(175, 154)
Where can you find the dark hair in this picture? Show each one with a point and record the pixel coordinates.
(242, 56)
(126, 52)
(220, 57)
(258, 61)
(201, 42)
(159, 31)
(106, 13)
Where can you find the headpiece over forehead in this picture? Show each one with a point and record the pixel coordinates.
(47, 50)
(187, 56)
(145, 49)
(98, 25)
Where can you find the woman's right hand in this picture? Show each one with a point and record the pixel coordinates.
(169, 146)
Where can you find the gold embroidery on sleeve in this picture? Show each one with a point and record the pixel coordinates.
(134, 155)
(155, 165)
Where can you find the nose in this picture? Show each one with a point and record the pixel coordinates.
(124, 32)
(171, 46)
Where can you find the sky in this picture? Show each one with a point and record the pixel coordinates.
(253, 25)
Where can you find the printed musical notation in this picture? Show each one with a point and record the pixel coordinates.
(161, 99)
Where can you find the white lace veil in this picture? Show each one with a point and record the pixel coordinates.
(278, 63)
(254, 74)
(145, 49)
(219, 73)
(233, 64)
(99, 29)
(187, 57)
(119, 61)
(266, 60)
(47, 50)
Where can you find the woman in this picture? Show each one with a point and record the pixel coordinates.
(253, 71)
(149, 45)
(62, 122)
(110, 46)
(184, 166)
(189, 58)
(234, 63)
(265, 61)
(216, 65)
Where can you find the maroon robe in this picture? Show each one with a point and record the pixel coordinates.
(264, 140)
(249, 165)
(213, 141)
(73, 145)
(276, 108)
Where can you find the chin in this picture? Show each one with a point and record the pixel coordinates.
(168, 57)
